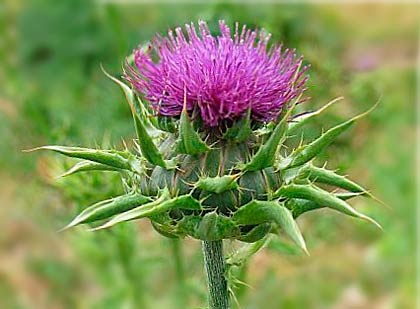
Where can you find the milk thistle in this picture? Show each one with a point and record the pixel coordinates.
(212, 114)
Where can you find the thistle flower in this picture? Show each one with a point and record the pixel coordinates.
(222, 76)
(240, 183)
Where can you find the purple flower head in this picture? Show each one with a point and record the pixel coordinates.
(221, 76)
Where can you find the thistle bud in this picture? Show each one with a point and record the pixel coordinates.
(211, 115)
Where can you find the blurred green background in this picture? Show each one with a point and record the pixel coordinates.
(52, 91)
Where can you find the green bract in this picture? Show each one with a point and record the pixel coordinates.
(215, 184)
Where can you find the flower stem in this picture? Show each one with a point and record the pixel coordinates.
(215, 269)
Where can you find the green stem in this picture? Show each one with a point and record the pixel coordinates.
(215, 269)
(179, 273)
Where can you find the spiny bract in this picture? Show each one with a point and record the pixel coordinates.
(209, 172)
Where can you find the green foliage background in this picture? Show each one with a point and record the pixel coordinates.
(53, 92)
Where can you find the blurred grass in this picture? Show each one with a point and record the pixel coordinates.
(53, 92)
